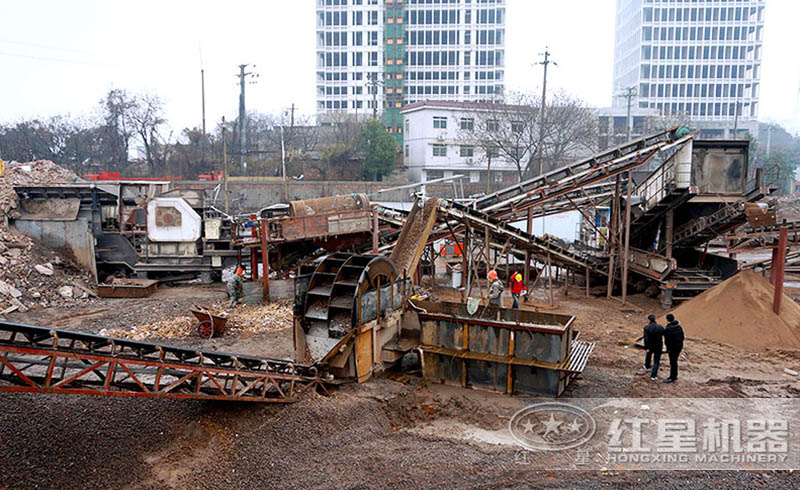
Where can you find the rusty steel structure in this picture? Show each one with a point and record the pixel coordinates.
(43, 360)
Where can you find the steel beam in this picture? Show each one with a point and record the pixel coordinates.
(103, 366)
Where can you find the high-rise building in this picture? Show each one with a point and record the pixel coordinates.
(698, 58)
(374, 56)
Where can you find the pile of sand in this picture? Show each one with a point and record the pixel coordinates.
(739, 312)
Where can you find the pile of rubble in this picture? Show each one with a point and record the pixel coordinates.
(31, 275)
(28, 173)
(787, 207)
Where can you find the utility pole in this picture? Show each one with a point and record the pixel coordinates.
(544, 63)
(373, 84)
(242, 114)
(283, 167)
(769, 139)
(291, 137)
(203, 95)
(489, 152)
(630, 94)
(225, 166)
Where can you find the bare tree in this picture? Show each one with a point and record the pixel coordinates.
(570, 130)
(510, 131)
(145, 117)
(502, 131)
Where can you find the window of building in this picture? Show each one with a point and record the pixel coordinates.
(434, 174)
(439, 122)
(517, 126)
(467, 123)
(440, 150)
(467, 151)
(405, 152)
(492, 125)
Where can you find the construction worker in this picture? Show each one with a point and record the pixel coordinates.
(495, 289)
(235, 285)
(654, 343)
(673, 340)
(517, 288)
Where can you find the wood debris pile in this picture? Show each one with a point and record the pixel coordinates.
(261, 318)
(175, 327)
(253, 319)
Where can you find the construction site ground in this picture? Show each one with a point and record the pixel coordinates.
(395, 431)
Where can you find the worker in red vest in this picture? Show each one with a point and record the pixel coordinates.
(517, 288)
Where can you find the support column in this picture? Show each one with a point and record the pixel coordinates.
(625, 253)
(780, 267)
(464, 262)
(254, 262)
(587, 282)
(487, 250)
(550, 278)
(772, 267)
(526, 273)
(265, 259)
(669, 231)
(612, 244)
(375, 230)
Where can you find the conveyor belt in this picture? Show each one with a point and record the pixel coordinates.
(597, 168)
(505, 232)
(44, 360)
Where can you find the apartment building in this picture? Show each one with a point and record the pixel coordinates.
(375, 56)
(698, 58)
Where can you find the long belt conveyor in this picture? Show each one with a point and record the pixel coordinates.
(505, 232)
(513, 200)
(44, 360)
(562, 189)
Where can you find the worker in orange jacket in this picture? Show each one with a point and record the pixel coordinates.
(517, 288)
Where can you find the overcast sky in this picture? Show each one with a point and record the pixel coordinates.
(59, 57)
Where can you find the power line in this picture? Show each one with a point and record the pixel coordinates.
(44, 58)
(42, 46)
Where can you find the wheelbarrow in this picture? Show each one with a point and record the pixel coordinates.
(212, 322)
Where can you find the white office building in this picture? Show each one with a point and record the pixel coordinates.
(699, 58)
(409, 51)
(438, 143)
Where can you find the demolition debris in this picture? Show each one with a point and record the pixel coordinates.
(31, 275)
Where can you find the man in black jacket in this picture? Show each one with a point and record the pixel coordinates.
(673, 339)
(653, 342)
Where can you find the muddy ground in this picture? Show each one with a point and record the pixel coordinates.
(391, 432)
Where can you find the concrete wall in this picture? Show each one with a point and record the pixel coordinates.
(252, 292)
(73, 238)
(254, 195)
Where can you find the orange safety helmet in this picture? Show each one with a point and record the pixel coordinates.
(239, 271)
(492, 275)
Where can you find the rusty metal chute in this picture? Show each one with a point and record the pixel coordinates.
(327, 205)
